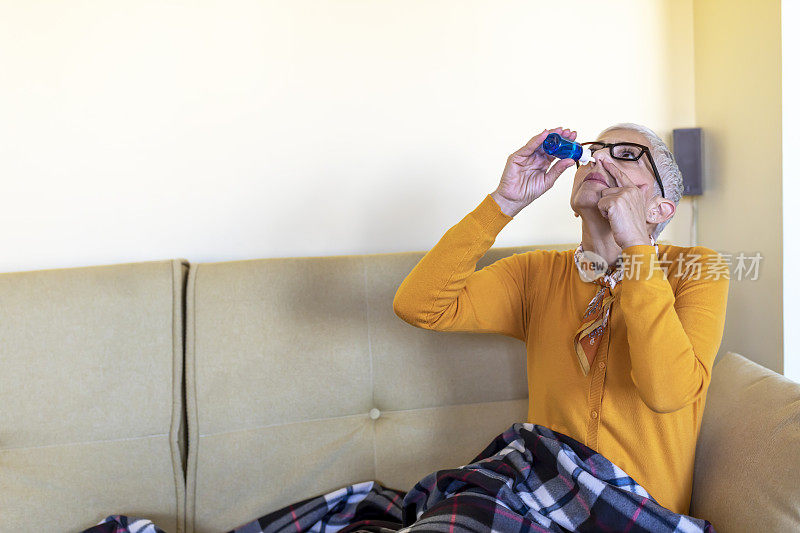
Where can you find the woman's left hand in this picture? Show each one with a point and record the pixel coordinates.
(625, 208)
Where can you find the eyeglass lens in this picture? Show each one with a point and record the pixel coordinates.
(620, 151)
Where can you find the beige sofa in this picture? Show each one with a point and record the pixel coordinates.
(203, 396)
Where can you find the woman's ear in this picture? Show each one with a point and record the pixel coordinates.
(661, 210)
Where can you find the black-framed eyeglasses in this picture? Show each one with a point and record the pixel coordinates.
(627, 152)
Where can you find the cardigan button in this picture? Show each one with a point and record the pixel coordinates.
(374, 413)
(594, 414)
(602, 365)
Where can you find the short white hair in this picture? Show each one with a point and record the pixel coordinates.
(668, 170)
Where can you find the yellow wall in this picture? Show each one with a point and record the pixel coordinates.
(738, 104)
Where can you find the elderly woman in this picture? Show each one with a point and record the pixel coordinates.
(619, 357)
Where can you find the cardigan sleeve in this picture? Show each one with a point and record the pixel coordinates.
(443, 292)
(673, 338)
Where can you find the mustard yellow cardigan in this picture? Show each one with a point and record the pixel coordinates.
(642, 402)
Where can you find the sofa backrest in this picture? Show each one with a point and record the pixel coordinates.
(301, 380)
(90, 396)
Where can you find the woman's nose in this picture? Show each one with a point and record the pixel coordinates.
(600, 155)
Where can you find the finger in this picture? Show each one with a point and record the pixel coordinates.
(603, 208)
(532, 144)
(560, 130)
(569, 134)
(556, 170)
(622, 179)
(611, 191)
(604, 205)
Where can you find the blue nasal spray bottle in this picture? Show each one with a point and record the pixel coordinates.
(562, 148)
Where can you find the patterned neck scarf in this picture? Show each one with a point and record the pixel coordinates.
(595, 320)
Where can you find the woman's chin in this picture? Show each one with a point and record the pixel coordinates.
(586, 202)
(587, 210)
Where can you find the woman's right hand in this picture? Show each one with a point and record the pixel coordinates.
(526, 176)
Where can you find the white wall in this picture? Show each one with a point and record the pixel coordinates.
(211, 130)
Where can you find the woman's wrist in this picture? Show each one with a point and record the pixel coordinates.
(508, 207)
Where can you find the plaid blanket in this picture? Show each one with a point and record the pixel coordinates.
(529, 479)
(359, 508)
(119, 523)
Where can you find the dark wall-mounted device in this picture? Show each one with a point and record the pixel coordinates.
(688, 150)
